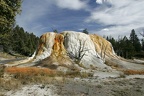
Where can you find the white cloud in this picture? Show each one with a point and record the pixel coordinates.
(116, 17)
(99, 1)
(33, 11)
(103, 1)
(121, 16)
(71, 4)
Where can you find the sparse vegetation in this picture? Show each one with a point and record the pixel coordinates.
(133, 72)
(78, 74)
(81, 65)
(99, 86)
(28, 72)
(112, 64)
(19, 76)
(93, 67)
(32, 74)
(1, 70)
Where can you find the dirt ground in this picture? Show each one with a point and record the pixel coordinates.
(84, 87)
(103, 83)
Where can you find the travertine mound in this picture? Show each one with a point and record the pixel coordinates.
(69, 47)
(76, 51)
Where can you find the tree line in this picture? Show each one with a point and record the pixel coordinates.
(128, 47)
(20, 41)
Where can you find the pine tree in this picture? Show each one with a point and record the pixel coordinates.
(8, 11)
(23, 42)
(135, 41)
(85, 31)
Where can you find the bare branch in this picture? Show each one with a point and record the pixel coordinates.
(81, 52)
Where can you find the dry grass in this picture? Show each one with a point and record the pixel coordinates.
(30, 71)
(29, 74)
(112, 64)
(133, 72)
(9, 84)
(2, 70)
(34, 73)
(15, 77)
(78, 74)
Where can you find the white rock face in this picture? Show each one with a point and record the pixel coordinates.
(76, 42)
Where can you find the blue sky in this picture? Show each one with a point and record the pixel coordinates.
(102, 17)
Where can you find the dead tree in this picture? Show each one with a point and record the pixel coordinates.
(81, 52)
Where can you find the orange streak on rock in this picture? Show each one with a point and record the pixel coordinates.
(44, 42)
(59, 55)
(58, 47)
(102, 45)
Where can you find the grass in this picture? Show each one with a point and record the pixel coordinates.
(19, 76)
(30, 74)
(9, 84)
(134, 72)
(112, 64)
(2, 70)
(77, 74)
(30, 71)
(35, 74)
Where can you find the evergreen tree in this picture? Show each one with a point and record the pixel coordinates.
(23, 42)
(85, 31)
(8, 10)
(142, 44)
(55, 30)
(123, 47)
(135, 41)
